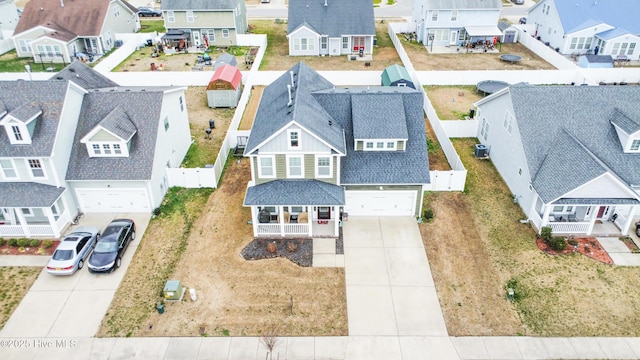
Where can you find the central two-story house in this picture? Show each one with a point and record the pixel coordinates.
(205, 22)
(78, 142)
(319, 152)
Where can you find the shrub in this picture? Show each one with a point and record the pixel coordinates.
(34, 243)
(558, 243)
(47, 244)
(292, 247)
(13, 242)
(428, 215)
(271, 247)
(2, 242)
(573, 242)
(23, 242)
(546, 233)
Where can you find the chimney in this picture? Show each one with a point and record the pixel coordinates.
(293, 84)
(290, 98)
(325, 3)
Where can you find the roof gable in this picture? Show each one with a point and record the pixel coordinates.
(229, 74)
(615, 189)
(25, 113)
(116, 123)
(337, 18)
(620, 13)
(81, 74)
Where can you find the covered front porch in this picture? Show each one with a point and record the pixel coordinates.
(295, 208)
(613, 217)
(40, 214)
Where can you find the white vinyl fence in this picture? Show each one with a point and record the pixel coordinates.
(455, 179)
(192, 178)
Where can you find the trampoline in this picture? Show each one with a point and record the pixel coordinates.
(510, 58)
(490, 86)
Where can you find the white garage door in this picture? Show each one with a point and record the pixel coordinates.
(380, 203)
(113, 200)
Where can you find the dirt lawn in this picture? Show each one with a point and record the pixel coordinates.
(238, 297)
(15, 281)
(277, 53)
(452, 102)
(477, 248)
(422, 60)
(251, 109)
(141, 60)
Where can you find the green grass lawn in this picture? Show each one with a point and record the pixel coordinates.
(16, 281)
(10, 62)
(147, 26)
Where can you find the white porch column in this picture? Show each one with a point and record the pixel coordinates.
(23, 222)
(594, 217)
(52, 222)
(281, 219)
(336, 216)
(309, 227)
(254, 221)
(545, 216)
(627, 225)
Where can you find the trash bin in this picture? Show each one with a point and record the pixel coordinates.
(149, 42)
(160, 308)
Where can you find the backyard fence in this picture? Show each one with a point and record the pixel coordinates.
(456, 178)
(192, 178)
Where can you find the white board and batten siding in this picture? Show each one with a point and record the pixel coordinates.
(380, 203)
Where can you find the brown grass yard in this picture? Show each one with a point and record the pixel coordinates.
(452, 102)
(15, 281)
(252, 108)
(422, 60)
(476, 246)
(437, 159)
(235, 297)
(141, 60)
(277, 54)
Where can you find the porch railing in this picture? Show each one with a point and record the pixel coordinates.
(569, 227)
(289, 229)
(35, 230)
(11, 230)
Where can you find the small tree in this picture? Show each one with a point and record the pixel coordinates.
(269, 340)
(558, 243)
(546, 233)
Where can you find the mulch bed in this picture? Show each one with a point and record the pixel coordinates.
(28, 250)
(587, 246)
(299, 251)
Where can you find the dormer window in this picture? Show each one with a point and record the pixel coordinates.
(103, 149)
(17, 134)
(635, 145)
(20, 123)
(380, 145)
(294, 139)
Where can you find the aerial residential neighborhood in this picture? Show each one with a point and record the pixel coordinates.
(319, 179)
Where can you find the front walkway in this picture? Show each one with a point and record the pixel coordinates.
(619, 252)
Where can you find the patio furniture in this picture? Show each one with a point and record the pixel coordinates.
(286, 216)
(303, 217)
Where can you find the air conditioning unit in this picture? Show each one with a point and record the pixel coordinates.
(482, 151)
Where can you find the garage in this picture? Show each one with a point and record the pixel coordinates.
(380, 203)
(113, 200)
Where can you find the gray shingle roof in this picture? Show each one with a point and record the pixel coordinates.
(50, 97)
(199, 4)
(294, 192)
(143, 110)
(373, 116)
(225, 59)
(597, 201)
(339, 17)
(119, 123)
(24, 194)
(584, 113)
(273, 113)
(84, 76)
(624, 122)
(381, 167)
(463, 4)
(26, 111)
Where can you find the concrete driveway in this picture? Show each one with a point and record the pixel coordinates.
(72, 306)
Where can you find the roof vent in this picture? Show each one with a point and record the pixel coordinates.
(325, 3)
(290, 97)
(72, 70)
(59, 78)
(330, 123)
(293, 84)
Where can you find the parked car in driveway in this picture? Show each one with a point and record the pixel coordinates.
(145, 11)
(107, 255)
(73, 250)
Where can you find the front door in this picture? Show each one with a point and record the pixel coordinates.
(358, 43)
(453, 39)
(196, 38)
(509, 37)
(602, 212)
(324, 212)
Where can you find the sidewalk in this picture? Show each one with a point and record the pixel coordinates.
(24, 260)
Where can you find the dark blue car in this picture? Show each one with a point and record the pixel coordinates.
(107, 255)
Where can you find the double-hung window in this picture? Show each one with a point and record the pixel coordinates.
(295, 167)
(8, 171)
(323, 167)
(190, 16)
(266, 167)
(36, 168)
(294, 139)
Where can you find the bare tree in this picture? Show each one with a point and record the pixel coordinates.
(269, 340)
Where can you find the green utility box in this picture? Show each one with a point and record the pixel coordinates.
(173, 290)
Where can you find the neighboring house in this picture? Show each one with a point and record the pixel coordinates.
(8, 22)
(319, 152)
(396, 75)
(56, 31)
(330, 27)
(569, 154)
(76, 143)
(225, 87)
(453, 22)
(588, 26)
(208, 22)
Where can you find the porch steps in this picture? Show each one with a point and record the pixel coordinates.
(324, 253)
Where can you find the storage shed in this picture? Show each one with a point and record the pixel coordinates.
(225, 59)
(396, 75)
(595, 61)
(225, 87)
